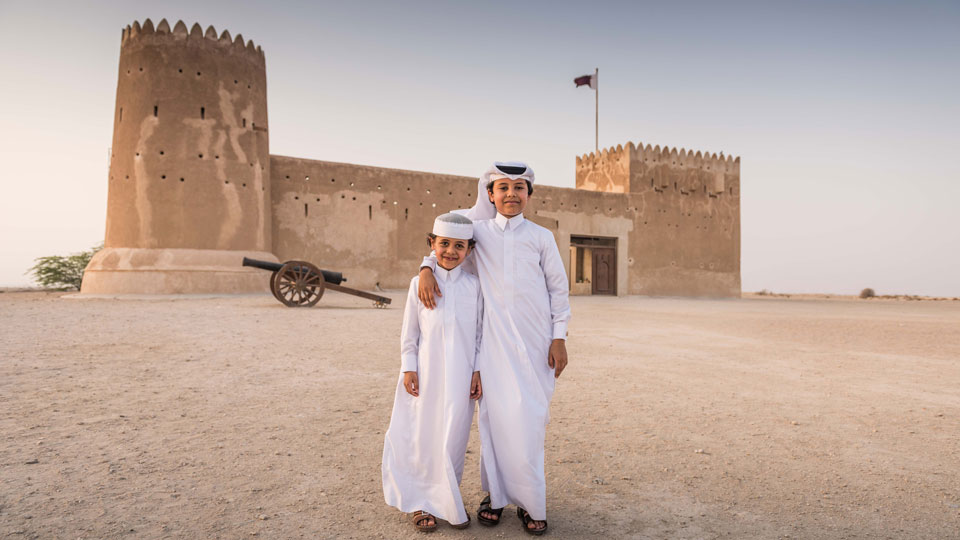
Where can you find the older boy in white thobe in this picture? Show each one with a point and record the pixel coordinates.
(526, 311)
(424, 447)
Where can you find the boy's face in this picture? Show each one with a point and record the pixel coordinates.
(509, 196)
(450, 251)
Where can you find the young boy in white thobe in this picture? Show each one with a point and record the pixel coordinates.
(526, 311)
(425, 446)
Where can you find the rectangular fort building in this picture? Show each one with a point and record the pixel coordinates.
(641, 220)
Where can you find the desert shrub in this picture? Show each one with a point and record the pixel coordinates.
(867, 293)
(59, 272)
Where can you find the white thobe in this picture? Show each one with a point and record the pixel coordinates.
(526, 306)
(425, 446)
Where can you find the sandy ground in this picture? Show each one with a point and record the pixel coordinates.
(239, 418)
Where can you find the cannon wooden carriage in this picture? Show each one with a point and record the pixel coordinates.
(302, 284)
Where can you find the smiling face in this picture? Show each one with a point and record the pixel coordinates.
(509, 196)
(450, 251)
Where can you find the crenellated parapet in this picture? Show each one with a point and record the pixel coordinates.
(620, 169)
(137, 34)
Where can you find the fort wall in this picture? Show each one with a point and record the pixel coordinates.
(370, 222)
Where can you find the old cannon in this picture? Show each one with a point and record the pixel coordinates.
(301, 284)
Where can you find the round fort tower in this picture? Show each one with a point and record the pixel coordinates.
(189, 181)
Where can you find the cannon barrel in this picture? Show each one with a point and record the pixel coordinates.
(329, 276)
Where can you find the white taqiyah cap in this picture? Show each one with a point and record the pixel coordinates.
(453, 225)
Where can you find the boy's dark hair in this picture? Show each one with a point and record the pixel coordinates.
(490, 187)
(431, 237)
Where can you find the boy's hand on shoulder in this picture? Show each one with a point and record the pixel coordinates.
(476, 388)
(558, 356)
(411, 383)
(428, 289)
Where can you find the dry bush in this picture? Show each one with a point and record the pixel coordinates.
(59, 272)
(867, 293)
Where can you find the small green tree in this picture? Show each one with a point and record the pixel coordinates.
(58, 272)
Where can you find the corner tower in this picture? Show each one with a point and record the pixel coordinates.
(189, 181)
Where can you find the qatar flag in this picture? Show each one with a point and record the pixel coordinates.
(589, 80)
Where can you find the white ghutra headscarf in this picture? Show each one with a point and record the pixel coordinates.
(514, 170)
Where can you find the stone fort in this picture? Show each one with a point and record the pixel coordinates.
(193, 189)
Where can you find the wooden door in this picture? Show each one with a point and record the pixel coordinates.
(604, 271)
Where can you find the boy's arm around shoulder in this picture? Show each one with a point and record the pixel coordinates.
(557, 285)
(410, 331)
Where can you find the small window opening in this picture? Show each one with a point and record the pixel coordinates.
(181, 179)
(163, 177)
(244, 185)
(200, 156)
(121, 114)
(180, 70)
(161, 152)
(306, 212)
(406, 213)
(244, 122)
(203, 113)
(198, 74)
(332, 180)
(369, 211)
(226, 181)
(155, 109)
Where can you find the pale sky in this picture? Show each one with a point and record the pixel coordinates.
(845, 114)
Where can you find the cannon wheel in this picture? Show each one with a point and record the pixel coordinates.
(273, 287)
(298, 284)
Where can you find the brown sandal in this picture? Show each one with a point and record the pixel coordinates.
(465, 524)
(420, 519)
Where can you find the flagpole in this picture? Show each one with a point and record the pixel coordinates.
(596, 111)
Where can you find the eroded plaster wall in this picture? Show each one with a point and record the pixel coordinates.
(189, 163)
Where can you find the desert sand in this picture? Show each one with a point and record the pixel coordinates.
(235, 417)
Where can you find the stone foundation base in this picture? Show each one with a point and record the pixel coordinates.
(174, 271)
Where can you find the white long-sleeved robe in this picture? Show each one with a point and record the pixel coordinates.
(425, 445)
(526, 306)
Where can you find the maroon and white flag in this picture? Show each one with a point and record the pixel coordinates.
(588, 80)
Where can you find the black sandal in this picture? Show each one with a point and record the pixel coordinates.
(485, 507)
(527, 520)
